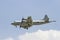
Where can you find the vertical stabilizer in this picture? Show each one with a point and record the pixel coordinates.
(46, 18)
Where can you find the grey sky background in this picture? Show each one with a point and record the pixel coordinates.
(11, 10)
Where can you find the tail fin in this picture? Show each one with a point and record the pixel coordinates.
(46, 18)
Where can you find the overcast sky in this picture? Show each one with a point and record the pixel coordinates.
(11, 10)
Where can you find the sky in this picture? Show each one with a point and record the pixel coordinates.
(11, 10)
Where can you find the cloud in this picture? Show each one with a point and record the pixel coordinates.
(9, 38)
(41, 35)
(38, 35)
